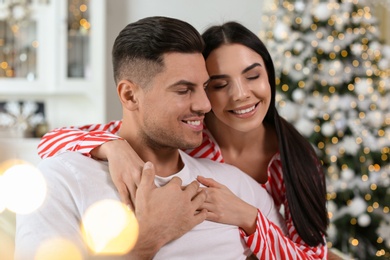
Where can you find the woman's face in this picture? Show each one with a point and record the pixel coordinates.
(239, 91)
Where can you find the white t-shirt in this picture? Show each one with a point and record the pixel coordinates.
(75, 182)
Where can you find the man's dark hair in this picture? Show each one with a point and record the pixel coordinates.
(137, 54)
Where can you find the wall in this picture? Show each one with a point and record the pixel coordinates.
(200, 14)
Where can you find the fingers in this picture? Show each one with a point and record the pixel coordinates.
(209, 182)
(147, 176)
(200, 216)
(175, 181)
(192, 189)
(198, 200)
(124, 195)
(131, 188)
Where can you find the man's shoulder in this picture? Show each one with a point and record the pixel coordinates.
(68, 164)
(68, 158)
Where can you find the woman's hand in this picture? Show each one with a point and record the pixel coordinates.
(125, 167)
(223, 206)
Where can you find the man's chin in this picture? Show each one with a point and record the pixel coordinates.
(190, 145)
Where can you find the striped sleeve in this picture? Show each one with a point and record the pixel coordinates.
(268, 241)
(81, 139)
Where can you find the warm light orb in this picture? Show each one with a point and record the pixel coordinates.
(23, 187)
(109, 227)
(7, 245)
(59, 249)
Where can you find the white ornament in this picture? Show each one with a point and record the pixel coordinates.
(322, 12)
(299, 46)
(298, 95)
(357, 49)
(375, 118)
(364, 220)
(363, 87)
(327, 129)
(347, 174)
(311, 113)
(281, 31)
(357, 206)
(305, 127)
(299, 6)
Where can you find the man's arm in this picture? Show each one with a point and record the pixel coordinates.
(165, 213)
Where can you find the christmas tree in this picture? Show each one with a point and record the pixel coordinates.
(333, 84)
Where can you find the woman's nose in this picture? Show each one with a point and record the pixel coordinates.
(240, 91)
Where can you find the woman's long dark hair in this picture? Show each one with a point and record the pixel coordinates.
(302, 171)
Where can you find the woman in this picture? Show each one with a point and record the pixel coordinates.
(244, 129)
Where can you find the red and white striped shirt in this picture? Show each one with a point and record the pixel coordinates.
(268, 241)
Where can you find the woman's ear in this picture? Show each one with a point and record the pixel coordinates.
(128, 93)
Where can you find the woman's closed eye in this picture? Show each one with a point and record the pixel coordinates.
(217, 84)
(253, 77)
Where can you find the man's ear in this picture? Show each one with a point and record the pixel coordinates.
(128, 93)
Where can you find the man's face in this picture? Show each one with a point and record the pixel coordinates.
(173, 106)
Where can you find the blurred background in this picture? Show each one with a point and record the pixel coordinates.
(332, 59)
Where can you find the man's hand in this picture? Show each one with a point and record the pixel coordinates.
(165, 213)
(125, 167)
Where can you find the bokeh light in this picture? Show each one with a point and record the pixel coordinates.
(109, 228)
(7, 245)
(23, 188)
(59, 249)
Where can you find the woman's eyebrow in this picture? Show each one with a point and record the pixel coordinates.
(251, 67)
(221, 76)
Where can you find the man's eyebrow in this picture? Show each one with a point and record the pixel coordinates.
(182, 83)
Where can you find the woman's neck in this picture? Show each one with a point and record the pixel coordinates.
(230, 140)
(249, 151)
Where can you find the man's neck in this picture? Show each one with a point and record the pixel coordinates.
(166, 162)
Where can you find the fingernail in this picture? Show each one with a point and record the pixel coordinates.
(148, 165)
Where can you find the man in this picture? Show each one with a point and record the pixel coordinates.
(160, 75)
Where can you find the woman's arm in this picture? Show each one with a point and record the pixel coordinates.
(223, 206)
(265, 239)
(268, 242)
(81, 139)
(101, 142)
